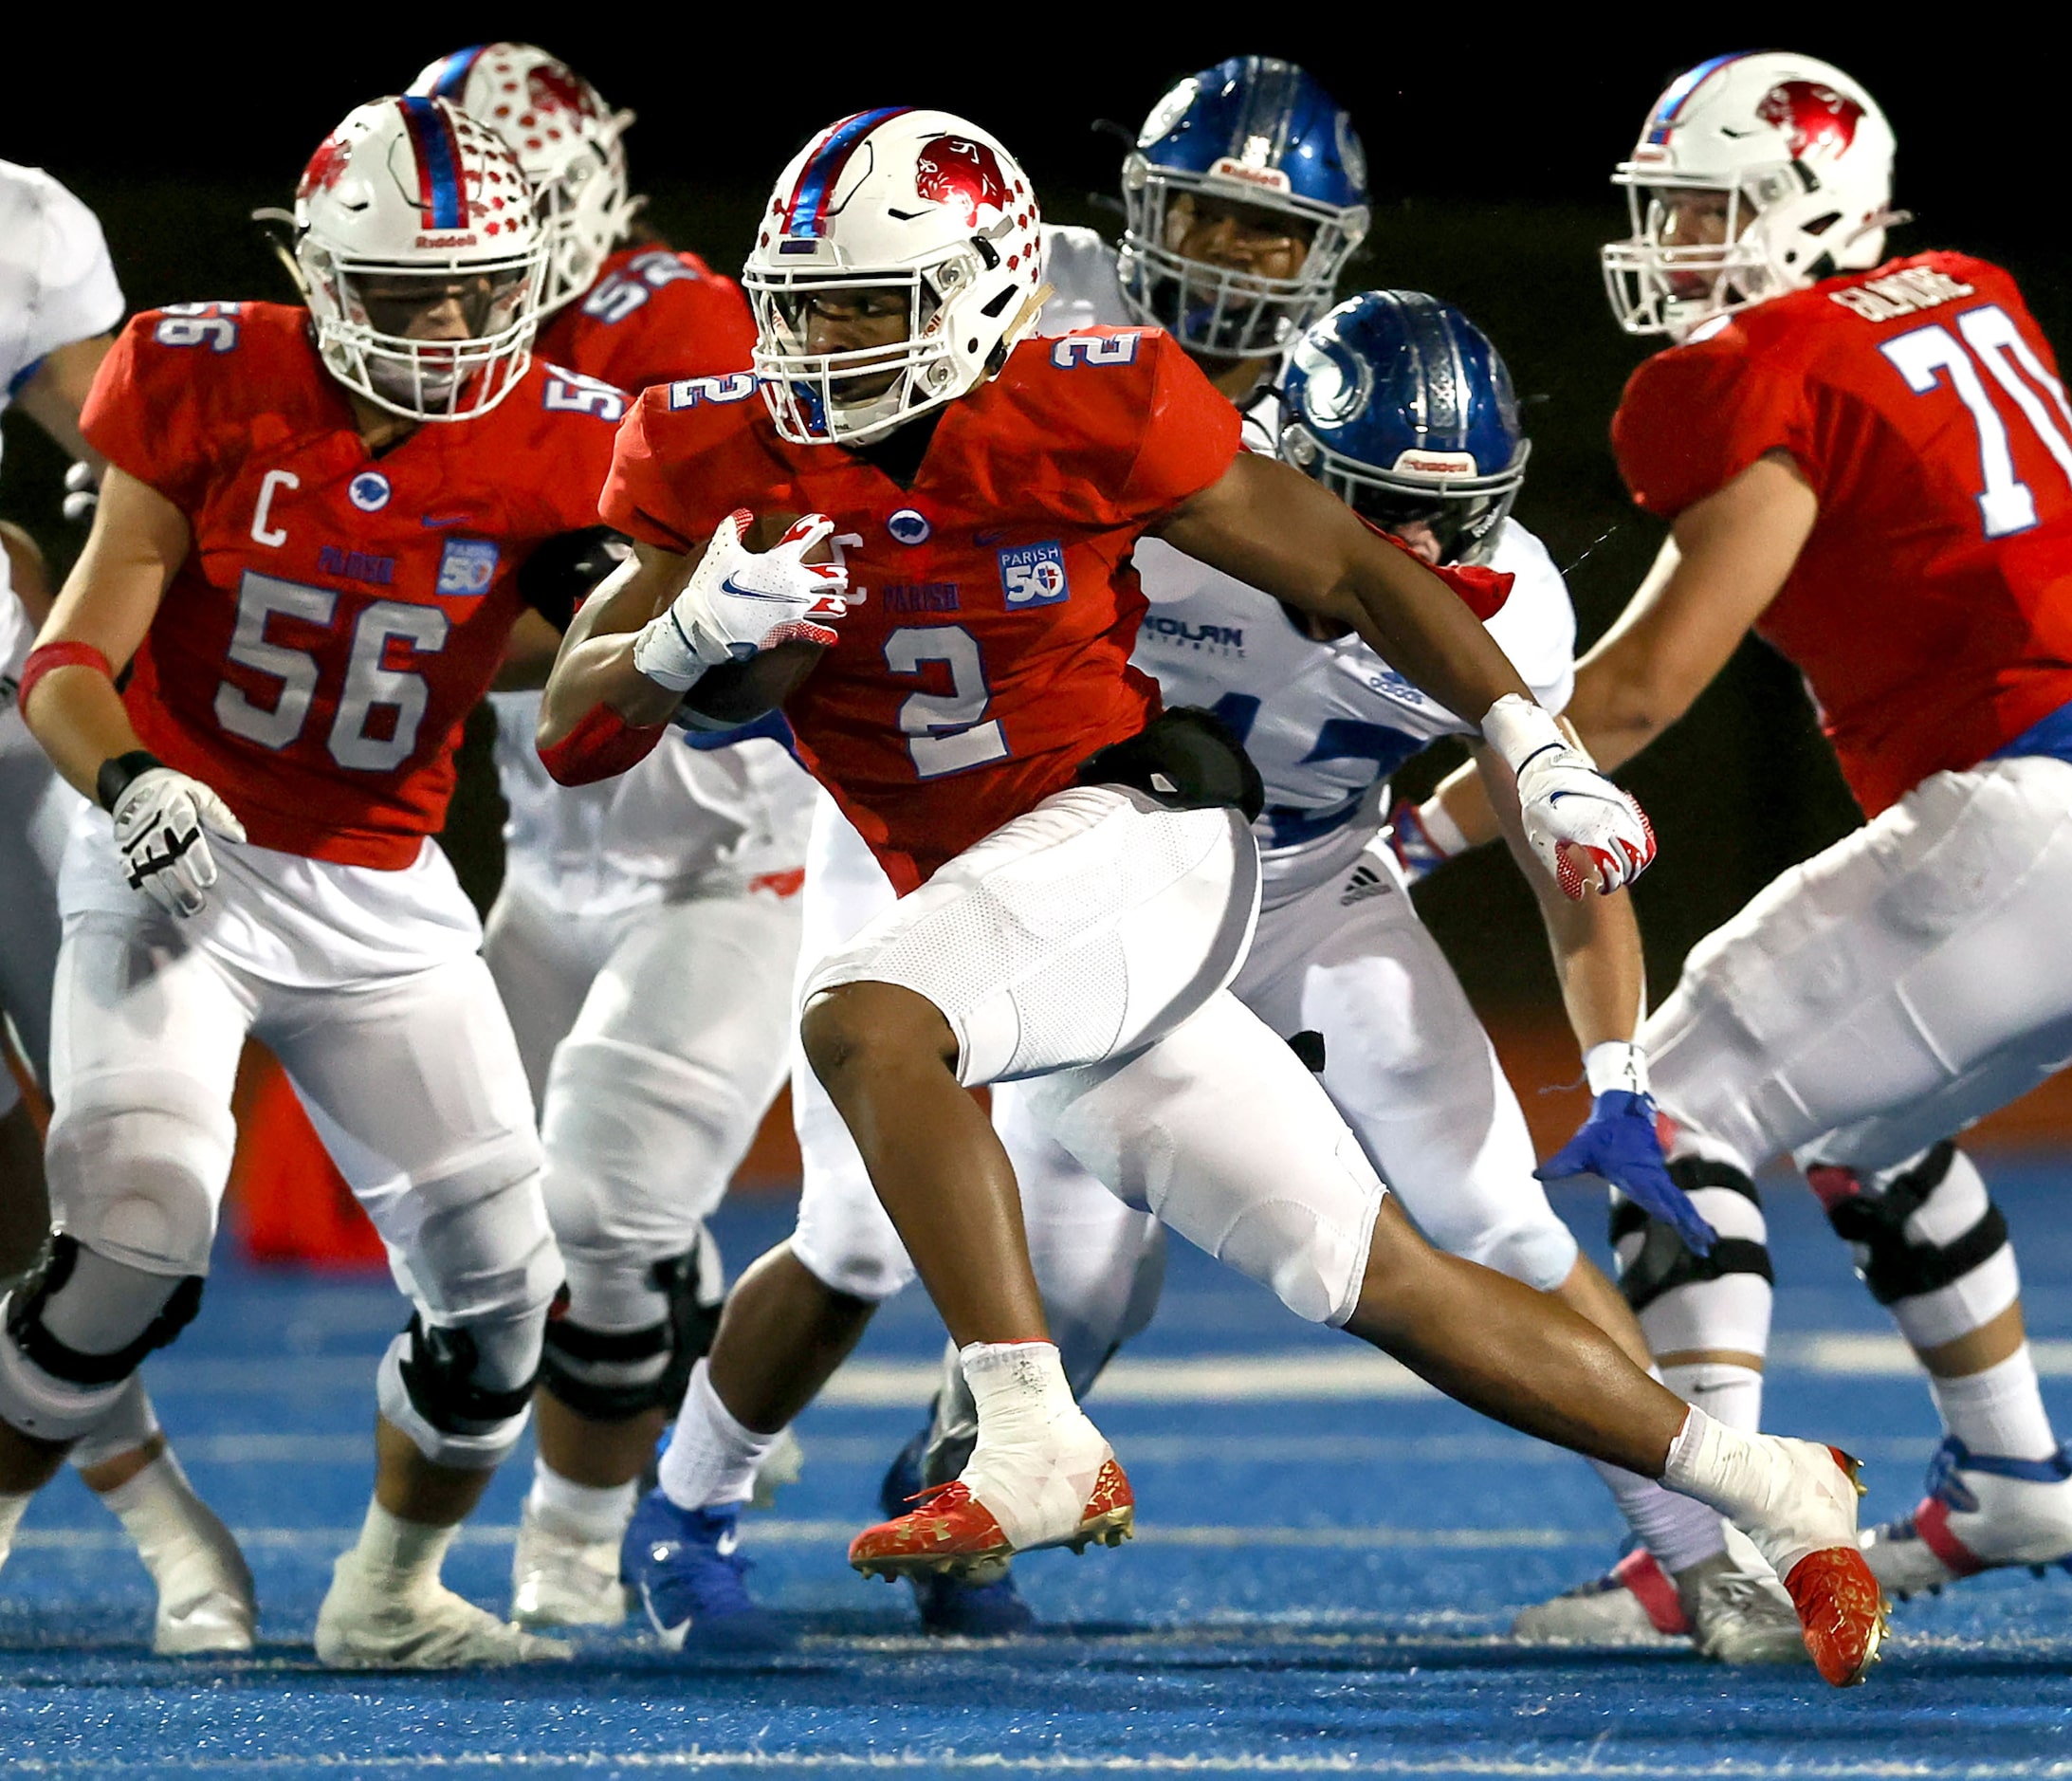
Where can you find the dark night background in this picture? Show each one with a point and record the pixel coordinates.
(1489, 159)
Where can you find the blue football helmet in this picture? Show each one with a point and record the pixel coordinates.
(1251, 131)
(1400, 407)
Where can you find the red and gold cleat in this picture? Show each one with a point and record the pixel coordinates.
(951, 1531)
(1842, 1610)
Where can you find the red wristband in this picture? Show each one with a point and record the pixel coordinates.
(49, 655)
(602, 745)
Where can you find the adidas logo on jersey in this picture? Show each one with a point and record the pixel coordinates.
(1366, 882)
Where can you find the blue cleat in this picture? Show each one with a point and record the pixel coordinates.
(950, 1608)
(683, 1565)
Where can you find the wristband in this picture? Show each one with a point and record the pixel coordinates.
(116, 774)
(1518, 730)
(602, 745)
(48, 657)
(1617, 1064)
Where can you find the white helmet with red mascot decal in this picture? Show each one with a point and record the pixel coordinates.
(1804, 158)
(566, 138)
(409, 204)
(920, 202)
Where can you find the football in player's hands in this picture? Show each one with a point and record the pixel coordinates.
(743, 692)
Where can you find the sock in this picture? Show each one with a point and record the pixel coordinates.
(712, 1458)
(1037, 1458)
(167, 1521)
(398, 1554)
(590, 1512)
(1999, 1411)
(11, 1509)
(1728, 1394)
(1678, 1531)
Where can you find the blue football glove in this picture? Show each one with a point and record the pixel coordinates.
(1618, 1143)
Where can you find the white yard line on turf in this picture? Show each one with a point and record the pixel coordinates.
(1298, 1375)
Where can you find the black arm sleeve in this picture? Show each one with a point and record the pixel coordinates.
(557, 577)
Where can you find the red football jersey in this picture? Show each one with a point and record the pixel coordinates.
(338, 615)
(653, 316)
(988, 653)
(1930, 609)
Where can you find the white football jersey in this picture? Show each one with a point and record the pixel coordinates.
(56, 287)
(679, 814)
(1328, 723)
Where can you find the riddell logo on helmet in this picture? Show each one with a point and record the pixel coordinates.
(446, 241)
(956, 171)
(1271, 178)
(1814, 113)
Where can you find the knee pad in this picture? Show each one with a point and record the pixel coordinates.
(609, 1375)
(1729, 1306)
(140, 1183)
(472, 1246)
(77, 1328)
(462, 1393)
(1927, 1240)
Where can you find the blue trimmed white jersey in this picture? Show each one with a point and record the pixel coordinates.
(1327, 724)
(56, 287)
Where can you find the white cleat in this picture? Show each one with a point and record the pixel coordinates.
(1634, 1603)
(366, 1625)
(561, 1580)
(1740, 1613)
(1982, 1513)
(204, 1601)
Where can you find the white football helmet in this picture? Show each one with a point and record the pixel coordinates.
(917, 201)
(1803, 157)
(566, 137)
(407, 196)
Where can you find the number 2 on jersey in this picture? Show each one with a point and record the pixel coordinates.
(1925, 355)
(370, 684)
(945, 732)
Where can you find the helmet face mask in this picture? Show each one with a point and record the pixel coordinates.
(566, 137)
(1800, 159)
(422, 258)
(1259, 138)
(1400, 407)
(912, 234)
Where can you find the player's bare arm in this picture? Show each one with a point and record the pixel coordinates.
(53, 397)
(1275, 528)
(139, 541)
(595, 663)
(1723, 562)
(1271, 525)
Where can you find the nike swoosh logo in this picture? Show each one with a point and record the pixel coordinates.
(731, 586)
(989, 538)
(443, 518)
(729, 1543)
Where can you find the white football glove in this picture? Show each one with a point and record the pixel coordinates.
(162, 824)
(741, 602)
(1569, 808)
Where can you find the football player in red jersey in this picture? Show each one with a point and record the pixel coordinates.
(1868, 463)
(646, 931)
(311, 587)
(1078, 881)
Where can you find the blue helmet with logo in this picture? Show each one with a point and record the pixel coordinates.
(1399, 405)
(1259, 132)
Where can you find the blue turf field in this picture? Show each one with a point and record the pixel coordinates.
(1326, 1564)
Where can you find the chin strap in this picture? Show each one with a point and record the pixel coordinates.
(602, 746)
